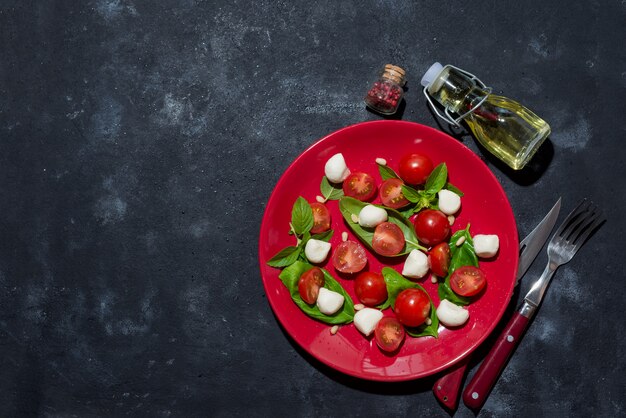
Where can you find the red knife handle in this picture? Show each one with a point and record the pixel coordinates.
(448, 386)
(484, 379)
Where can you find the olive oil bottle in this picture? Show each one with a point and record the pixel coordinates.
(503, 126)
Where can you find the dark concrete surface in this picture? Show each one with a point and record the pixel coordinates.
(139, 142)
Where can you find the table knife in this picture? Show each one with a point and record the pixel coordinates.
(446, 388)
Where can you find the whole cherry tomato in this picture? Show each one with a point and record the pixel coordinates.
(370, 288)
(439, 258)
(431, 226)
(415, 168)
(412, 307)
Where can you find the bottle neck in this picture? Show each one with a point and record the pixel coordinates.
(456, 91)
(473, 99)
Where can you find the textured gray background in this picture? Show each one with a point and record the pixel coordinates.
(140, 141)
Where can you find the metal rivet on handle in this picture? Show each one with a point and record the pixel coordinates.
(474, 395)
(509, 338)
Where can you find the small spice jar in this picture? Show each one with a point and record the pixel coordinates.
(386, 93)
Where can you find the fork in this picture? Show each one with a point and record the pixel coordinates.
(564, 244)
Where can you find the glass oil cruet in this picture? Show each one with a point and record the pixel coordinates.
(506, 128)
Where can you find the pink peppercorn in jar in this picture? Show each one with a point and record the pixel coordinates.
(386, 93)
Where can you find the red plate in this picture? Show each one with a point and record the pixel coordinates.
(484, 205)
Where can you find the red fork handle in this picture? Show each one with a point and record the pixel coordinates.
(485, 378)
(447, 388)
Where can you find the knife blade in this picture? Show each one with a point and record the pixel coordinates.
(530, 246)
(446, 389)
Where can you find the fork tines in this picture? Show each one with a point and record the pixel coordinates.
(580, 223)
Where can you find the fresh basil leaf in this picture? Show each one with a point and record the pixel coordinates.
(285, 257)
(445, 292)
(302, 244)
(396, 283)
(301, 216)
(411, 194)
(305, 237)
(428, 200)
(290, 277)
(393, 287)
(349, 206)
(407, 213)
(384, 305)
(421, 198)
(462, 255)
(346, 313)
(387, 172)
(323, 236)
(407, 228)
(420, 206)
(453, 189)
(291, 274)
(437, 179)
(330, 191)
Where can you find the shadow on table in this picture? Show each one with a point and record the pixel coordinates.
(396, 116)
(532, 171)
(411, 386)
(368, 386)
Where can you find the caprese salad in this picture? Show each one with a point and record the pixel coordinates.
(413, 220)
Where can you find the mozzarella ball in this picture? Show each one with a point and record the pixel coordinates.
(366, 320)
(449, 202)
(336, 169)
(329, 301)
(451, 315)
(370, 216)
(316, 250)
(486, 245)
(416, 265)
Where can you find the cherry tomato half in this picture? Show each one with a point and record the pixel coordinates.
(412, 307)
(415, 168)
(360, 186)
(432, 227)
(370, 288)
(389, 334)
(310, 283)
(467, 281)
(439, 258)
(349, 257)
(321, 218)
(388, 239)
(391, 194)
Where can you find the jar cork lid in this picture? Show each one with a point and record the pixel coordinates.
(394, 73)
